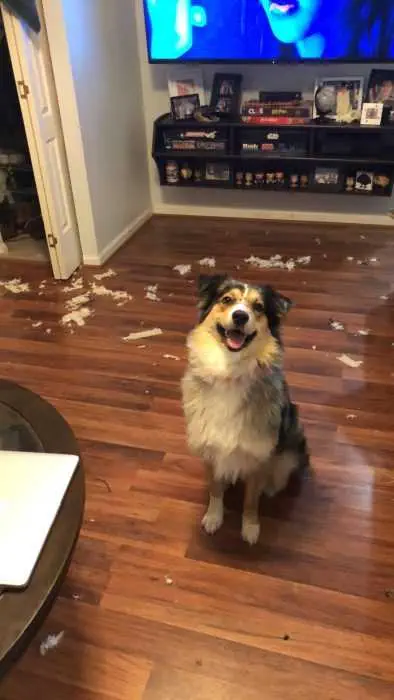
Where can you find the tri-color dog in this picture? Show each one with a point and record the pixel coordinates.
(240, 419)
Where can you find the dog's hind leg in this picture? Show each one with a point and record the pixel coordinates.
(213, 518)
(250, 515)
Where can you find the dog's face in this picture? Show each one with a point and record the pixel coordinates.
(238, 314)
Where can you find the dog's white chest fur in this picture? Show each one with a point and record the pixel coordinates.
(223, 427)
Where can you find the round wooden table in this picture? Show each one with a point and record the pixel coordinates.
(30, 424)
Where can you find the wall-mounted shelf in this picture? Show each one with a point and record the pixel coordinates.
(326, 158)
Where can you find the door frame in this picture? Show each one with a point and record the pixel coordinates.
(13, 28)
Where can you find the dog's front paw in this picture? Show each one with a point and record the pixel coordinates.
(250, 531)
(212, 521)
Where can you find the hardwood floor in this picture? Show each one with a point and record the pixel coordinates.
(152, 608)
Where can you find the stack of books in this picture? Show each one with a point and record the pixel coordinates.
(278, 108)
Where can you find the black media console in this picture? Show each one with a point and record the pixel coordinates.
(351, 160)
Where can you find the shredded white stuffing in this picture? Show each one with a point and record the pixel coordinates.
(167, 356)
(78, 301)
(276, 261)
(139, 335)
(77, 316)
(51, 642)
(104, 275)
(117, 295)
(168, 580)
(182, 269)
(37, 324)
(74, 286)
(207, 262)
(363, 331)
(151, 292)
(336, 325)
(16, 286)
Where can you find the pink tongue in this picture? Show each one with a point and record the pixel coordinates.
(235, 340)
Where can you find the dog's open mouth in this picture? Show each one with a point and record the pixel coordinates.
(234, 338)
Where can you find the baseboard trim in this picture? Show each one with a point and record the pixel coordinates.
(276, 215)
(118, 241)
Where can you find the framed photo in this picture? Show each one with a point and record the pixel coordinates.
(372, 113)
(328, 179)
(339, 99)
(226, 94)
(184, 107)
(183, 81)
(217, 172)
(381, 86)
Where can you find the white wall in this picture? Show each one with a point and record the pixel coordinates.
(253, 204)
(96, 63)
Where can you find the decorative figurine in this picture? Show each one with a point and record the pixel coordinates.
(304, 181)
(248, 179)
(172, 172)
(270, 178)
(186, 172)
(197, 175)
(381, 181)
(239, 179)
(280, 179)
(349, 184)
(259, 179)
(294, 179)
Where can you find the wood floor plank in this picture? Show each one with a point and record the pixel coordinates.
(152, 608)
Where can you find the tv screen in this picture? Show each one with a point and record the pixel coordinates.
(270, 30)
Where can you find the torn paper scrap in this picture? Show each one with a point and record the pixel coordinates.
(349, 362)
(207, 262)
(104, 275)
(139, 335)
(182, 269)
(51, 642)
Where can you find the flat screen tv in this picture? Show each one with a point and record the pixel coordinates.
(240, 31)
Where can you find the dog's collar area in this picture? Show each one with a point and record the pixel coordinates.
(234, 338)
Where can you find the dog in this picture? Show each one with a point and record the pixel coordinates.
(240, 419)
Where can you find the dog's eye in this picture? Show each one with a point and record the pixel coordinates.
(258, 307)
(227, 300)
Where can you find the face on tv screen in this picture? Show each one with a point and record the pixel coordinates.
(270, 30)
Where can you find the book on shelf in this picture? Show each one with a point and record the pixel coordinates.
(278, 121)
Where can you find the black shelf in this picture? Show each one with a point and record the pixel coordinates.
(344, 148)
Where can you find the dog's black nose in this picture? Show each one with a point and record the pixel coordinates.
(240, 318)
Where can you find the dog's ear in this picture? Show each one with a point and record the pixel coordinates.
(208, 287)
(276, 306)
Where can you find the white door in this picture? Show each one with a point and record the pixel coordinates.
(37, 96)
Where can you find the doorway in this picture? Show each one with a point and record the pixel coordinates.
(22, 233)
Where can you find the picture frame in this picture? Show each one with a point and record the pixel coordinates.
(328, 179)
(381, 86)
(183, 107)
(364, 181)
(226, 94)
(185, 80)
(372, 113)
(347, 95)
